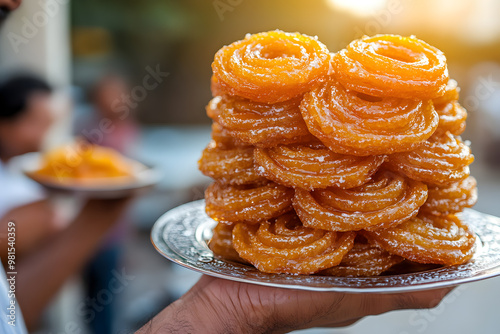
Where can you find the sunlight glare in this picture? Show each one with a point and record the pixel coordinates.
(357, 7)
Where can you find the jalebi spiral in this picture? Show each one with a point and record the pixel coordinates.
(391, 65)
(222, 242)
(452, 115)
(271, 67)
(260, 124)
(428, 239)
(313, 165)
(249, 203)
(452, 198)
(441, 160)
(352, 123)
(386, 201)
(285, 246)
(363, 260)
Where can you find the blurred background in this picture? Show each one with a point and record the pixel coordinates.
(151, 60)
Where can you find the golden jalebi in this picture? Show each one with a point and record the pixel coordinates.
(386, 201)
(352, 123)
(428, 239)
(441, 160)
(452, 198)
(260, 124)
(221, 242)
(392, 65)
(285, 246)
(363, 260)
(313, 165)
(271, 66)
(249, 203)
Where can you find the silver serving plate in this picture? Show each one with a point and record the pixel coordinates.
(181, 235)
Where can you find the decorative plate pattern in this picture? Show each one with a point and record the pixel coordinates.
(182, 233)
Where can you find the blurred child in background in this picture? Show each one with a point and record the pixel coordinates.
(107, 125)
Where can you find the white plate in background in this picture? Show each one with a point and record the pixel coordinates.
(143, 177)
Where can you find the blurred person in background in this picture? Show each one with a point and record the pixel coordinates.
(106, 98)
(25, 118)
(48, 250)
(121, 133)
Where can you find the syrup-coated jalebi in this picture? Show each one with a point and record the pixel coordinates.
(428, 239)
(221, 242)
(452, 118)
(339, 164)
(229, 165)
(223, 139)
(441, 160)
(451, 93)
(387, 200)
(215, 87)
(363, 260)
(260, 124)
(270, 67)
(285, 246)
(451, 199)
(314, 166)
(249, 203)
(452, 115)
(391, 65)
(352, 123)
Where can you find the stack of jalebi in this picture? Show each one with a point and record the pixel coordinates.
(336, 164)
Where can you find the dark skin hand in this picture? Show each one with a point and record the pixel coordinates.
(219, 306)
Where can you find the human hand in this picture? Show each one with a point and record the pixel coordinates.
(215, 306)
